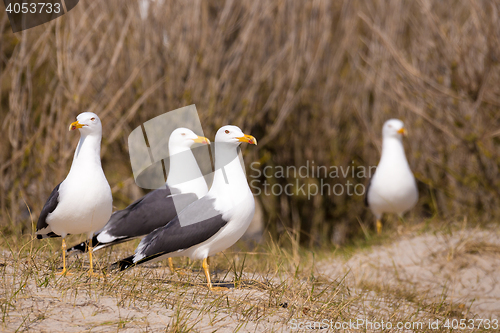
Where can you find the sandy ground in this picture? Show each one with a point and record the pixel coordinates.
(57, 313)
(462, 268)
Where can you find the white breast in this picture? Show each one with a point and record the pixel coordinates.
(393, 188)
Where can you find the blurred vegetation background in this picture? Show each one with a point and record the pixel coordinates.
(312, 80)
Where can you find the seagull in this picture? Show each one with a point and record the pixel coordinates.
(392, 189)
(81, 203)
(211, 224)
(185, 184)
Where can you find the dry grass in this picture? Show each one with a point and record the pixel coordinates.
(275, 287)
(312, 81)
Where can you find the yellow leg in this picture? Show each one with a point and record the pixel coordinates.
(171, 265)
(206, 265)
(64, 271)
(379, 227)
(91, 250)
(180, 271)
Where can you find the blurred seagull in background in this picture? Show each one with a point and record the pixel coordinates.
(82, 203)
(211, 224)
(185, 184)
(392, 189)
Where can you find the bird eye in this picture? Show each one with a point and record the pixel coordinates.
(226, 131)
(93, 118)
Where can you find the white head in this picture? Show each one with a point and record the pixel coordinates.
(184, 173)
(183, 138)
(87, 123)
(393, 128)
(233, 135)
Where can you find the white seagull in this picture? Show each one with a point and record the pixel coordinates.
(211, 224)
(392, 189)
(82, 203)
(185, 184)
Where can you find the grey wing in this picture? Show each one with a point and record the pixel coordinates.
(43, 230)
(179, 234)
(152, 211)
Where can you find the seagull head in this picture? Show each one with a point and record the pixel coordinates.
(87, 123)
(393, 128)
(184, 138)
(233, 135)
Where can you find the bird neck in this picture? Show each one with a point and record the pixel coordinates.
(184, 173)
(393, 151)
(229, 177)
(88, 151)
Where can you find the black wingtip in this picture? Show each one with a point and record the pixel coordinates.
(82, 247)
(49, 235)
(367, 204)
(123, 264)
(77, 249)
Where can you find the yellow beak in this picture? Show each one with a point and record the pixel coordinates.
(248, 138)
(402, 131)
(202, 139)
(73, 126)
